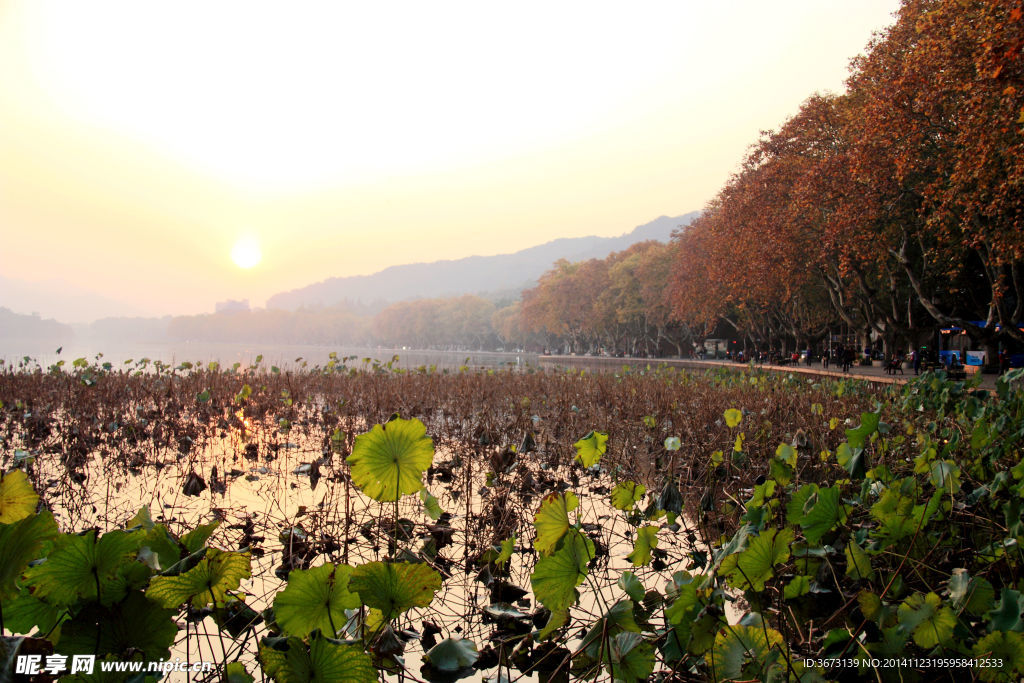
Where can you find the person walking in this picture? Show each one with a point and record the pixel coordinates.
(915, 359)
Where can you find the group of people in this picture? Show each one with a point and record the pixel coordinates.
(840, 357)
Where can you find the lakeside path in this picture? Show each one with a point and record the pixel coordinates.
(869, 374)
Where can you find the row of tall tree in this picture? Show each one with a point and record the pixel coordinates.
(615, 304)
(888, 210)
(893, 208)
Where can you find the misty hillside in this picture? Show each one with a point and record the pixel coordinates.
(32, 327)
(472, 275)
(69, 302)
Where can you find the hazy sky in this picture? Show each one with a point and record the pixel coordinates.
(140, 141)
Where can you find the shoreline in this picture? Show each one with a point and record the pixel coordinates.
(873, 374)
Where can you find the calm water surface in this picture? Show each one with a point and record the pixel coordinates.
(285, 356)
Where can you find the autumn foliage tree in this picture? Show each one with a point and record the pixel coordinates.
(892, 208)
(615, 304)
(940, 143)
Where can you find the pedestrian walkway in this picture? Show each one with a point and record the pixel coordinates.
(870, 373)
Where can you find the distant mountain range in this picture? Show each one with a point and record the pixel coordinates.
(32, 327)
(503, 273)
(69, 302)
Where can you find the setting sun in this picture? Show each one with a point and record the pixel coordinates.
(246, 252)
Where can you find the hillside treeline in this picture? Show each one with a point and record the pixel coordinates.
(466, 322)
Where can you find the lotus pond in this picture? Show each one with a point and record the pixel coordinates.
(358, 521)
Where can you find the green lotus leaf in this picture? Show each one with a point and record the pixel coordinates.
(290, 661)
(632, 586)
(236, 673)
(853, 460)
(702, 632)
(1007, 647)
(945, 474)
(743, 652)
(590, 448)
(800, 503)
(1008, 613)
(616, 620)
(826, 511)
(389, 461)
(629, 657)
(858, 564)
(973, 592)
(780, 472)
(26, 612)
(452, 654)
(626, 494)
(558, 619)
(737, 543)
(763, 493)
(21, 543)
(556, 576)
(195, 540)
(237, 618)
(143, 519)
(927, 619)
(686, 605)
(673, 648)
(134, 624)
(871, 606)
(79, 565)
(394, 587)
(799, 585)
(315, 599)
(17, 497)
(552, 520)
(868, 426)
(752, 567)
(733, 417)
(786, 454)
(208, 582)
(159, 549)
(507, 546)
(430, 504)
(693, 625)
(646, 539)
(895, 513)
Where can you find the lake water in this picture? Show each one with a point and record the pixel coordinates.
(265, 500)
(284, 356)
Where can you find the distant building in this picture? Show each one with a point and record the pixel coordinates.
(232, 306)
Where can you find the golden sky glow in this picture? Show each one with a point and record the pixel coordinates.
(140, 140)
